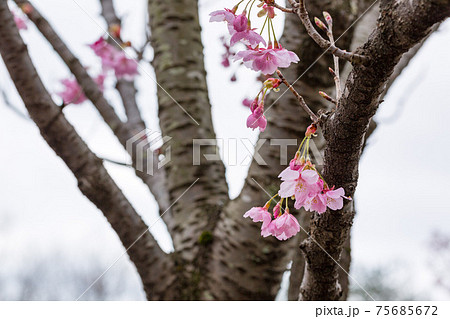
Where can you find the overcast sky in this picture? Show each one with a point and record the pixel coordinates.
(401, 197)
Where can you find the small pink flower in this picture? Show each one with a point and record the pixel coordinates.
(277, 210)
(100, 47)
(225, 62)
(243, 32)
(115, 59)
(283, 227)
(20, 23)
(247, 102)
(334, 198)
(222, 15)
(317, 203)
(73, 94)
(270, 11)
(267, 60)
(124, 67)
(257, 119)
(297, 163)
(259, 214)
(289, 178)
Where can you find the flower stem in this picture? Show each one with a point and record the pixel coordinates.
(264, 25)
(250, 10)
(273, 31)
(301, 145)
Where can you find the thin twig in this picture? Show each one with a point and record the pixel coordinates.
(281, 8)
(12, 106)
(300, 9)
(335, 72)
(115, 162)
(300, 98)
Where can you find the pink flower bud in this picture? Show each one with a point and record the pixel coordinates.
(272, 83)
(311, 130)
(325, 96)
(328, 18)
(320, 24)
(277, 210)
(114, 29)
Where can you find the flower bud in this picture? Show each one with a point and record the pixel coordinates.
(114, 29)
(262, 13)
(328, 18)
(311, 130)
(320, 24)
(26, 8)
(325, 96)
(277, 210)
(272, 83)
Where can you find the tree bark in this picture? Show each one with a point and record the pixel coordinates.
(400, 27)
(185, 114)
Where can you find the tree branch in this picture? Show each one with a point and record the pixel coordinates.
(402, 24)
(300, 9)
(299, 98)
(93, 179)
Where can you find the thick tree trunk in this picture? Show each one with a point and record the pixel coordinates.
(185, 114)
(399, 28)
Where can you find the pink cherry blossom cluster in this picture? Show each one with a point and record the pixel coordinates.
(302, 182)
(283, 226)
(115, 59)
(73, 94)
(265, 59)
(112, 58)
(257, 55)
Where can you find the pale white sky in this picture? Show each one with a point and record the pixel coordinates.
(401, 196)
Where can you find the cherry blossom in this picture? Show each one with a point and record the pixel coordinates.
(125, 67)
(222, 15)
(20, 22)
(73, 94)
(334, 198)
(283, 227)
(267, 60)
(244, 33)
(115, 59)
(257, 119)
(259, 214)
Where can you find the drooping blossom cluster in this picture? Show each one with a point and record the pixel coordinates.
(112, 58)
(257, 118)
(302, 182)
(267, 58)
(73, 94)
(115, 59)
(258, 55)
